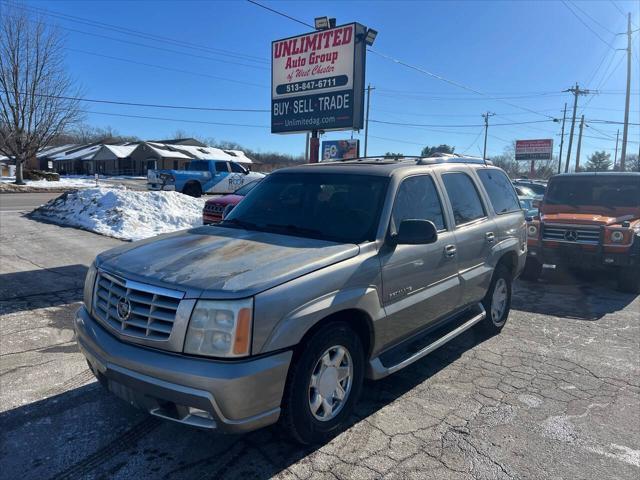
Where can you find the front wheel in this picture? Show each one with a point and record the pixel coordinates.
(324, 384)
(193, 190)
(497, 302)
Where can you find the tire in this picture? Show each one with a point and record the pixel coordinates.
(497, 301)
(193, 190)
(298, 418)
(629, 280)
(532, 270)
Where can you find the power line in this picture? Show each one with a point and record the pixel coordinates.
(457, 126)
(170, 69)
(281, 14)
(139, 34)
(587, 25)
(154, 47)
(451, 82)
(475, 140)
(175, 119)
(573, 4)
(151, 105)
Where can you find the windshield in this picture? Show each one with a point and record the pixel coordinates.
(243, 190)
(335, 207)
(536, 188)
(602, 191)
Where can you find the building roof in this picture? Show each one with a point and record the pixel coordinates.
(84, 153)
(121, 151)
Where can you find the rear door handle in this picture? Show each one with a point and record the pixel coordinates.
(490, 236)
(450, 251)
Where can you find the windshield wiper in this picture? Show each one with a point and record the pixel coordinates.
(240, 223)
(295, 229)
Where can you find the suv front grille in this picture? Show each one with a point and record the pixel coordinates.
(572, 234)
(135, 309)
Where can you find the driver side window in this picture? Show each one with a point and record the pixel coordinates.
(417, 199)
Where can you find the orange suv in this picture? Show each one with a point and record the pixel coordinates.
(589, 221)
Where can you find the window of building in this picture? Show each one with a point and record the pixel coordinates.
(464, 197)
(417, 199)
(500, 190)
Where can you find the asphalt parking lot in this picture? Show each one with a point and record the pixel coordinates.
(556, 395)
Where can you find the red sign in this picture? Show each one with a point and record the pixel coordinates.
(540, 149)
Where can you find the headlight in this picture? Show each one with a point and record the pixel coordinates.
(89, 282)
(617, 236)
(220, 328)
(532, 231)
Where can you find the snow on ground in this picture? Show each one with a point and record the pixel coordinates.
(122, 213)
(64, 182)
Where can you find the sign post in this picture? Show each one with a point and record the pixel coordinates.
(317, 82)
(534, 150)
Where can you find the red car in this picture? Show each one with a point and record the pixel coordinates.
(214, 208)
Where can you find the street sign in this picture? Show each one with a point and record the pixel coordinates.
(317, 80)
(340, 149)
(528, 150)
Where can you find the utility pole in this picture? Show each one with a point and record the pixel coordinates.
(486, 129)
(576, 93)
(625, 129)
(579, 143)
(366, 125)
(615, 157)
(564, 117)
(314, 147)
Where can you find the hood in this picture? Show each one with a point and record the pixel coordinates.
(220, 262)
(586, 218)
(231, 199)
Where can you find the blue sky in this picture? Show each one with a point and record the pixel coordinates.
(524, 53)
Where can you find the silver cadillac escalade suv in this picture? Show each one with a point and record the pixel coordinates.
(323, 275)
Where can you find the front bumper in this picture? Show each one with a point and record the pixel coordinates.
(159, 186)
(575, 256)
(232, 396)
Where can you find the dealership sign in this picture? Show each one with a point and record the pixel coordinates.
(340, 149)
(541, 149)
(317, 80)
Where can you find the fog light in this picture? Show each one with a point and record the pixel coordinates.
(532, 230)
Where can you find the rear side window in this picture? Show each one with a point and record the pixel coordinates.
(500, 190)
(199, 166)
(417, 199)
(464, 197)
(221, 167)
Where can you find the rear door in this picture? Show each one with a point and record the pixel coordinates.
(419, 282)
(474, 234)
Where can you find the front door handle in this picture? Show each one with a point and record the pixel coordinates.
(450, 251)
(490, 236)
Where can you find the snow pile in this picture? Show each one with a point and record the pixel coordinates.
(124, 214)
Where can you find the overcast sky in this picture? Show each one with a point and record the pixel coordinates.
(522, 54)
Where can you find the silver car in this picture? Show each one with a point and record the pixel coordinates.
(324, 275)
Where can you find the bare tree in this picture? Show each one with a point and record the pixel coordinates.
(36, 92)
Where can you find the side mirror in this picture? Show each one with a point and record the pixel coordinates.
(415, 232)
(227, 210)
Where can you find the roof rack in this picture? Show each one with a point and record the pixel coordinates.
(452, 158)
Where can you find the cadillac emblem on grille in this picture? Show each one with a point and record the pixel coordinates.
(124, 309)
(571, 236)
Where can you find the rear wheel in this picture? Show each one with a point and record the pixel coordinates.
(323, 384)
(497, 302)
(629, 279)
(192, 189)
(532, 269)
